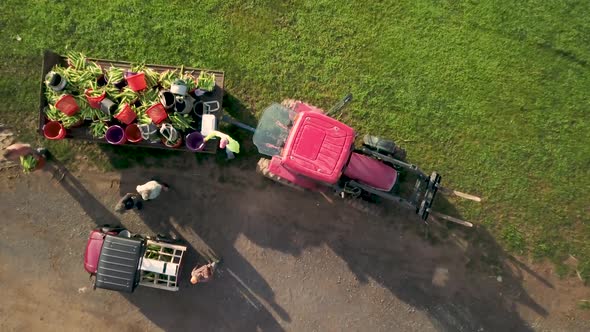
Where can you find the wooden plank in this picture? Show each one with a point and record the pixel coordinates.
(449, 218)
(447, 191)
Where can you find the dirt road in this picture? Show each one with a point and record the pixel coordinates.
(292, 261)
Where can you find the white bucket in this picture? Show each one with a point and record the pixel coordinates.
(208, 124)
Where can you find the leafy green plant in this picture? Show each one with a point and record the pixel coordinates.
(141, 113)
(76, 60)
(86, 112)
(89, 113)
(206, 81)
(189, 80)
(79, 79)
(28, 163)
(63, 71)
(94, 68)
(52, 113)
(181, 122)
(51, 96)
(152, 254)
(149, 97)
(151, 77)
(167, 77)
(70, 121)
(126, 96)
(114, 75)
(73, 78)
(98, 129)
(94, 90)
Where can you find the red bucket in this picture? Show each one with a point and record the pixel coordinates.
(94, 101)
(68, 105)
(157, 113)
(126, 115)
(136, 81)
(54, 130)
(133, 133)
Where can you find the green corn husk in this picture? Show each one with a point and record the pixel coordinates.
(181, 122)
(206, 81)
(28, 163)
(52, 113)
(167, 77)
(98, 129)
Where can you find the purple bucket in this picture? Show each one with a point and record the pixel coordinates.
(195, 141)
(115, 135)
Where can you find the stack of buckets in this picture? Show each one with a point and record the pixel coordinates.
(117, 135)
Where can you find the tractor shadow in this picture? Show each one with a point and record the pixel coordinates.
(447, 271)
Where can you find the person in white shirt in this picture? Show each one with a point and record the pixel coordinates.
(151, 189)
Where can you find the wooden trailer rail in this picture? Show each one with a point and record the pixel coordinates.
(160, 265)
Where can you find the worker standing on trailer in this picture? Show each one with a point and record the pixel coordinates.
(230, 145)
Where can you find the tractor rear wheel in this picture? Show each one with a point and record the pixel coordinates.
(384, 146)
(263, 168)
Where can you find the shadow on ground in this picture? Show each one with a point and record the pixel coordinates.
(207, 305)
(453, 279)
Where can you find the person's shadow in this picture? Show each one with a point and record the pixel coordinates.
(91, 206)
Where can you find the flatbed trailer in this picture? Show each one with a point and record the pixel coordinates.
(50, 59)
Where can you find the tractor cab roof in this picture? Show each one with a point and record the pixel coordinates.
(318, 146)
(118, 263)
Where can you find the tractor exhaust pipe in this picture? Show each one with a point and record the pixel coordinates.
(232, 121)
(338, 107)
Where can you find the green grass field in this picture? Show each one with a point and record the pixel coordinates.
(492, 94)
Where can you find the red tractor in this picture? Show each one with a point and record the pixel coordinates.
(308, 149)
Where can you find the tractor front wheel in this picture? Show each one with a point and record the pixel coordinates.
(263, 168)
